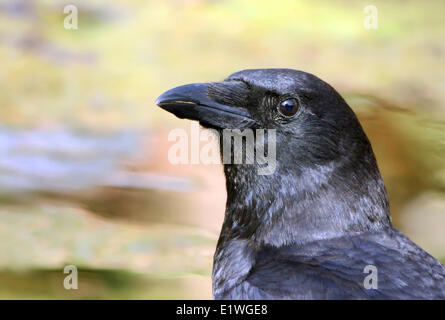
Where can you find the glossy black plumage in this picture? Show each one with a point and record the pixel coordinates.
(333, 269)
(308, 230)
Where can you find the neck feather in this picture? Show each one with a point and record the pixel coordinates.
(307, 204)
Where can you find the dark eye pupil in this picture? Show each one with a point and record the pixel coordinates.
(288, 107)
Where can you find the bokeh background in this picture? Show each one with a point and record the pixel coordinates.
(84, 173)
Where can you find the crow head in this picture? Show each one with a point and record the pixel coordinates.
(311, 119)
(326, 180)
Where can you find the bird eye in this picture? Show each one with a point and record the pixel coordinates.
(288, 107)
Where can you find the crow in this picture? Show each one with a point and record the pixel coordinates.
(319, 226)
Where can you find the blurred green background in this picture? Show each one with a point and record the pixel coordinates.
(84, 173)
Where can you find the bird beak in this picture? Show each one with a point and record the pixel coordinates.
(193, 101)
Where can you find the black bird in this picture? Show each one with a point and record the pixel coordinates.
(310, 229)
